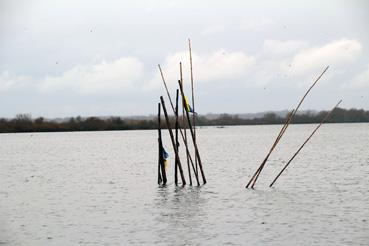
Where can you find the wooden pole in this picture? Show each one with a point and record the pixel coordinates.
(166, 88)
(159, 171)
(284, 168)
(161, 156)
(172, 139)
(288, 118)
(283, 130)
(180, 130)
(193, 100)
(184, 126)
(176, 137)
(159, 152)
(192, 135)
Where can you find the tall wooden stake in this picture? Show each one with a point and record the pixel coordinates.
(184, 126)
(176, 137)
(159, 152)
(283, 130)
(193, 99)
(162, 177)
(180, 130)
(284, 168)
(192, 135)
(173, 141)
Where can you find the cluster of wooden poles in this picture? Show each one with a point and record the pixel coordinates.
(180, 128)
(289, 119)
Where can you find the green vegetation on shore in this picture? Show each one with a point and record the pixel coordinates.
(25, 123)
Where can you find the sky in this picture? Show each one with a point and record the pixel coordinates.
(65, 58)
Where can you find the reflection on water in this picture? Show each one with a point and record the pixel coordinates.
(180, 215)
(99, 188)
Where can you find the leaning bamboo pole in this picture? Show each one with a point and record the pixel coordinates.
(294, 155)
(184, 125)
(173, 141)
(288, 118)
(283, 130)
(193, 99)
(176, 138)
(162, 177)
(180, 130)
(192, 135)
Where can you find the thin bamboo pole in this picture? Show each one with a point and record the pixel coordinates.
(172, 139)
(192, 135)
(159, 171)
(193, 99)
(283, 130)
(159, 152)
(184, 125)
(180, 130)
(288, 118)
(176, 137)
(166, 88)
(316, 129)
(161, 156)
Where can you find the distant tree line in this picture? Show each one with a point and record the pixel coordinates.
(339, 115)
(25, 123)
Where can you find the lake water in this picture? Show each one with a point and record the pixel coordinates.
(100, 188)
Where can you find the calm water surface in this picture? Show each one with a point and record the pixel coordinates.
(99, 188)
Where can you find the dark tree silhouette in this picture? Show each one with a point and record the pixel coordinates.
(25, 123)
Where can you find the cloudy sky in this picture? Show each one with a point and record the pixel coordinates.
(68, 57)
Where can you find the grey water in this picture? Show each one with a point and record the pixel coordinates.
(100, 188)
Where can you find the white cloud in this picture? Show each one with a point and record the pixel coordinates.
(6, 81)
(105, 77)
(256, 25)
(276, 63)
(223, 65)
(360, 81)
(288, 47)
(115, 76)
(10, 81)
(213, 29)
(336, 53)
(217, 66)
